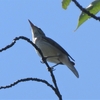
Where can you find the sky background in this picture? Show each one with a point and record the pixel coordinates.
(21, 61)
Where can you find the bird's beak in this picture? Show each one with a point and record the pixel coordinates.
(32, 25)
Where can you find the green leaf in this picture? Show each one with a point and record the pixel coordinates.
(65, 3)
(93, 8)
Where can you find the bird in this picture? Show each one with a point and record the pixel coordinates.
(51, 49)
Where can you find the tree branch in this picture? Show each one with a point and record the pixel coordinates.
(86, 11)
(28, 79)
(56, 90)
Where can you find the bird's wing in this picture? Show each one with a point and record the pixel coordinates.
(57, 45)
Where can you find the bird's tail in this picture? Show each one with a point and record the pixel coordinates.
(70, 65)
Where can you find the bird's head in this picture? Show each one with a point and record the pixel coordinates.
(35, 30)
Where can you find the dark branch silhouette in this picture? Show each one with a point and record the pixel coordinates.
(84, 10)
(55, 88)
(28, 79)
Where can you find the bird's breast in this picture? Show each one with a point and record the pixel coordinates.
(48, 50)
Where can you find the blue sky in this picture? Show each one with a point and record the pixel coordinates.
(21, 61)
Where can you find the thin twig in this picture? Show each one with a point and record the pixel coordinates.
(28, 79)
(54, 81)
(56, 90)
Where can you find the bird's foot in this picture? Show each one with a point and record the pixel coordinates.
(51, 69)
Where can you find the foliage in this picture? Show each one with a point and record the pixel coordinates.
(86, 13)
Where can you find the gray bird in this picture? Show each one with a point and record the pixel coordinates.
(51, 49)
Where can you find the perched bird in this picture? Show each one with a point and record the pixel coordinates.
(51, 49)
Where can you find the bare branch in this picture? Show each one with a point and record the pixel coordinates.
(28, 79)
(56, 90)
(24, 38)
(84, 10)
